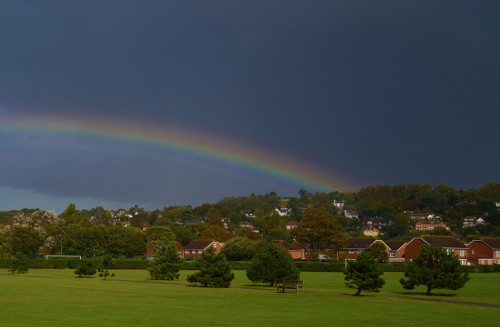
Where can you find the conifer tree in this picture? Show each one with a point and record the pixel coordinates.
(166, 263)
(105, 266)
(364, 274)
(214, 270)
(86, 268)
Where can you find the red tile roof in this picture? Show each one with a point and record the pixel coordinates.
(444, 241)
(287, 246)
(197, 245)
(394, 245)
(493, 243)
(359, 243)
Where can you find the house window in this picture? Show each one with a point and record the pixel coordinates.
(462, 253)
(352, 251)
(450, 251)
(200, 251)
(497, 254)
(392, 254)
(188, 251)
(473, 251)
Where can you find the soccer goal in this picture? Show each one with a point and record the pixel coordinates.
(62, 256)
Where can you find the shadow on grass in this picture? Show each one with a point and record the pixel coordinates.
(360, 295)
(427, 295)
(259, 285)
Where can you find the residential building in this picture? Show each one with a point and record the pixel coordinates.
(351, 214)
(485, 251)
(338, 204)
(395, 250)
(372, 232)
(430, 225)
(375, 222)
(355, 246)
(296, 251)
(449, 244)
(151, 246)
(291, 225)
(195, 248)
(283, 212)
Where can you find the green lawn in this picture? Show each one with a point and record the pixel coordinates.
(57, 298)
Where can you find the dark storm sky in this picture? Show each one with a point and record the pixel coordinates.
(388, 92)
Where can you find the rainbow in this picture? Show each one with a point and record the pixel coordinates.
(249, 158)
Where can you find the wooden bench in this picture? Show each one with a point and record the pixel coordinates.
(297, 285)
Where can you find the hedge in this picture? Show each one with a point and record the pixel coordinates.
(306, 266)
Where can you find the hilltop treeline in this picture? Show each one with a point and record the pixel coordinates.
(125, 232)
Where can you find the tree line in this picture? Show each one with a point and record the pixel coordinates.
(125, 232)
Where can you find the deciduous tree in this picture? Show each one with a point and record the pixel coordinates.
(240, 248)
(319, 232)
(216, 233)
(271, 264)
(19, 264)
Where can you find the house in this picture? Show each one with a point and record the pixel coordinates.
(351, 214)
(395, 250)
(291, 225)
(485, 251)
(468, 221)
(355, 246)
(449, 244)
(246, 224)
(296, 251)
(375, 222)
(372, 232)
(283, 212)
(225, 222)
(150, 249)
(423, 216)
(338, 204)
(472, 221)
(195, 248)
(430, 225)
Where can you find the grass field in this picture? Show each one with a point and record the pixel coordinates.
(57, 298)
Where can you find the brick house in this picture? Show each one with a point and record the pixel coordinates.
(485, 251)
(355, 246)
(430, 225)
(195, 248)
(150, 249)
(395, 250)
(291, 224)
(246, 224)
(449, 244)
(296, 251)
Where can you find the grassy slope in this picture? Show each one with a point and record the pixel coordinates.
(59, 299)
